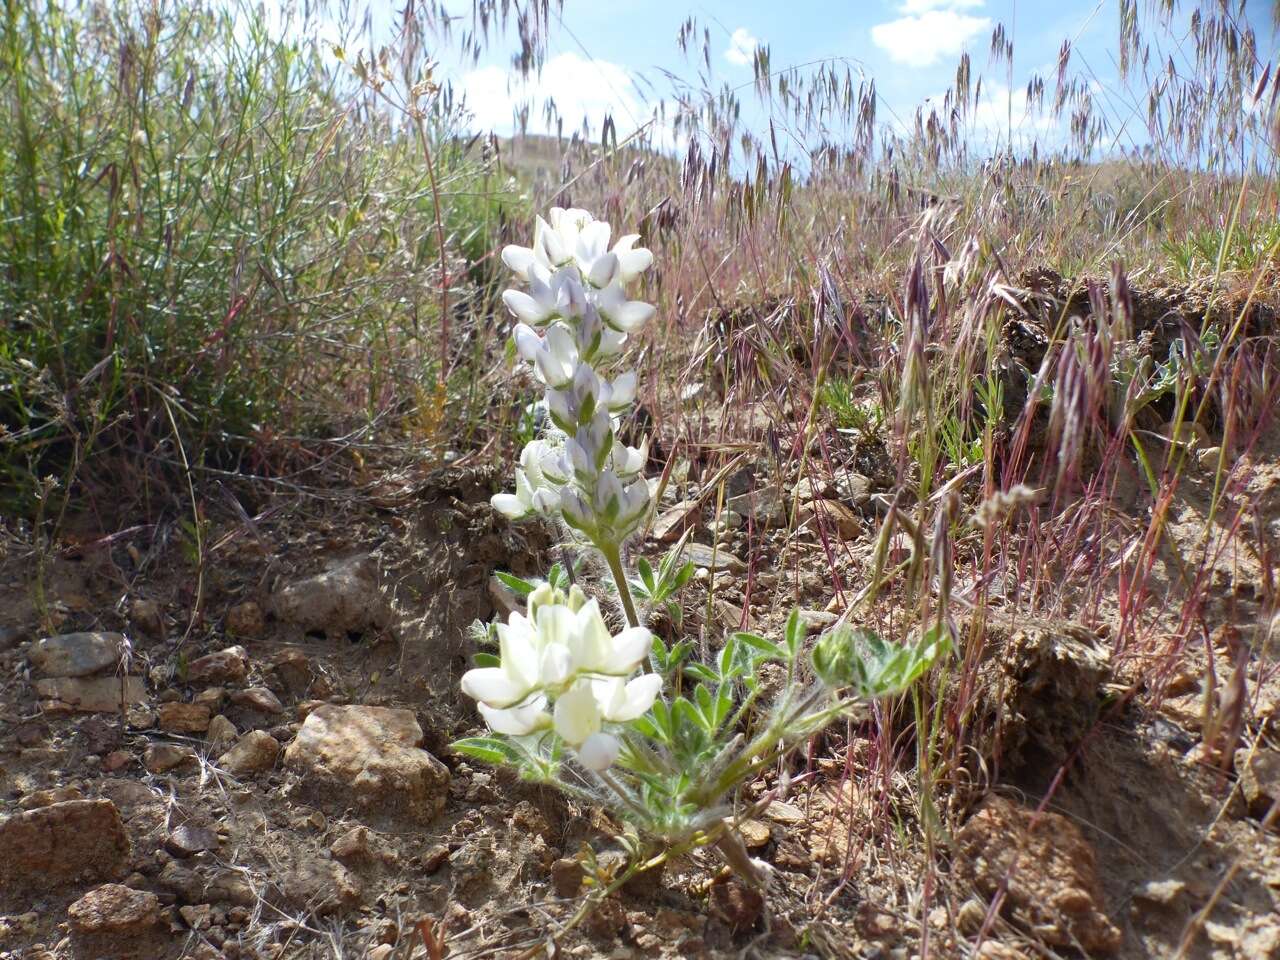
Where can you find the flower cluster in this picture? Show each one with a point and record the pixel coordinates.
(559, 668)
(576, 314)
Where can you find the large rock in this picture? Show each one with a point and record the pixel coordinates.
(1040, 690)
(62, 843)
(76, 654)
(346, 598)
(1050, 870)
(90, 694)
(112, 908)
(368, 758)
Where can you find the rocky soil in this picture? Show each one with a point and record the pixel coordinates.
(245, 755)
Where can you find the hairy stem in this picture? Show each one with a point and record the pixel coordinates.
(613, 557)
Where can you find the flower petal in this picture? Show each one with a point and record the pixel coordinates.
(628, 649)
(524, 306)
(629, 317)
(517, 721)
(637, 697)
(518, 260)
(577, 715)
(509, 506)
(599, 751)
(492, 685)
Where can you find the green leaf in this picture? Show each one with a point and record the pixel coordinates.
(557, 577)
(760, 645)
(488, 750)
(794, 632)
(486, 660)
(685, 714)
(683, 576)
(700, 671)
(521, 587)
(646, 575)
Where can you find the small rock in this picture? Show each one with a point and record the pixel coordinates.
(566, 877)
(767, 504)
(673, 522)
(1047, 870)
(736, 904)
(225, 666)
(46, 798)
(853, 488)
(812, 489)
(116, 760)
(701, 555)
(346, 598)
(162, 757)
(1259, 778)
(353, 846)
(782, 812)
(816, 621)
(369, 758)
(324, 887)
(833, 516)
(505, 600)
(210, 697)
(188, 840)
(114, 909)
(1162, 892)
(254, 753)
(293, 669)
(257, 698)
(61, 843)
(76, 654)
(754, 833)
(197, 916)
(183, 717)
(128, 795)
(246, 620)
(89, 694)
(222, 731)
(148, 617)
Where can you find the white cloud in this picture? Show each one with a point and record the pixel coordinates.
(921, 40)
(579, 89)
(742, 47)
(917, 7)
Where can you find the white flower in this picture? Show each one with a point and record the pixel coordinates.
(526, 501)
(555, 360)
(623, 315)
(622, 700)
(535, 491)
(517, 721)
(598, 652)
(632, 260)
(544, 653)
(622, 391)
(626, 461)
(550, 295)
(577, 715)
(532, 654)
(599, 751)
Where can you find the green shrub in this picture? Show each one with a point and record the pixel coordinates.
(215, 244)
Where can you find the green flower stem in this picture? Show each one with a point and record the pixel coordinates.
(613, 557)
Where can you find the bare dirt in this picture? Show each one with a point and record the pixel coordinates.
(260, 767)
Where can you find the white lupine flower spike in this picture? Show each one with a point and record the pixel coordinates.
(568, 699)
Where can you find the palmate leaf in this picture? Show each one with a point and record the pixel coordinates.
(872, 667)
(489, 750)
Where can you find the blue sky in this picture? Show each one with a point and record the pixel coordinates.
(613, 58)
